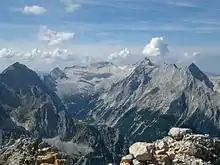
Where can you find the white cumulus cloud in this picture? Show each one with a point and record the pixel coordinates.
(156, 47)
(53, 37)
(32, 55)
(56, 54)
(124, 57)
(7, 53)
(35, 10)
(70, 5)
(39, 59)
(188, 58)
(60, 54)
(194, 54)
(119, 55)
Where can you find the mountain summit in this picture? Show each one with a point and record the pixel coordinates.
(198, 74)
(153, 98)
(29, 108)
(19, 76)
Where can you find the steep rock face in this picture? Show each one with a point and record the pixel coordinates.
(28, 103)
(92, 145)
(187, 150)
(28, 107)
(152, 99)
(107, 144)
(198, 74)
(216, 82)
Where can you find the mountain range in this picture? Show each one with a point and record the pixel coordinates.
(29, 108)
(95, 112)
(152, 99)
(145, 98)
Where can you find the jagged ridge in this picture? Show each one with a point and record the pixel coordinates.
(152, 99)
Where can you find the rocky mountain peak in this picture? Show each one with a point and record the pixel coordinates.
(19, 76)
(198, 74)
(148, 61)
(16, 66)
(57, 73)
(145, 63)
(27, 101)
(143, 67)
(154, 95)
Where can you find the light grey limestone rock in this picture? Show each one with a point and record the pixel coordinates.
(178, 133)
(142, 151)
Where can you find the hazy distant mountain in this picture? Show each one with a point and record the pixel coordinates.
(79, 85)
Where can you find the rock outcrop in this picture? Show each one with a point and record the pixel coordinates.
(181, 147)
(25, 151)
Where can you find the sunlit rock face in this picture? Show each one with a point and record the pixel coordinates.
(153, 98)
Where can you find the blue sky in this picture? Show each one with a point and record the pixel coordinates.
(128, 21)
(111, 25)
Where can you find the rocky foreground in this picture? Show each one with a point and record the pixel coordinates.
(25, 151)
(180, 147)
